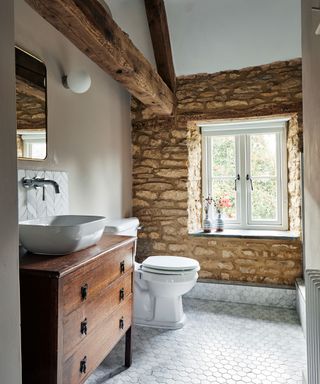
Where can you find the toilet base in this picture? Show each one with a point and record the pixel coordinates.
(158, 312)
(160, 324)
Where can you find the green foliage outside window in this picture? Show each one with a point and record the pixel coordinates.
(263, 173)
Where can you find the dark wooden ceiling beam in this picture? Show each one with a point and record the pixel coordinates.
(89, 27)
(159, 30)
(31, 90)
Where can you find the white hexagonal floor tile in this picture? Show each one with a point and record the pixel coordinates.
(220, 343)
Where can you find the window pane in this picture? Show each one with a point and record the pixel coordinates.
(264, 200)
(225, 189)
(223, 156)
(38, 150)
(263, 154)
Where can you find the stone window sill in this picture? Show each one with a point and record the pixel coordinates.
(250, 234)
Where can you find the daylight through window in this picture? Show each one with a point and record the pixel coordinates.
(246, 164)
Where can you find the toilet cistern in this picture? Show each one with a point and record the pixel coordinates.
(40, 182)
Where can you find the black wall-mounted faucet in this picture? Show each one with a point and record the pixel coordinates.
(39, 182)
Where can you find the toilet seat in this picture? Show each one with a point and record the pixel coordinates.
(166, 272)
(170, 265)
(165, 277)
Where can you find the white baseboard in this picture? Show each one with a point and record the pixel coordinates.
(301, 304)
(245, 294)
(304, 377)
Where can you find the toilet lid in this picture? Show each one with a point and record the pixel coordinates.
(190, 272)
(170, 263)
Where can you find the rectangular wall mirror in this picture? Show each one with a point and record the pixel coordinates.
(31, 104)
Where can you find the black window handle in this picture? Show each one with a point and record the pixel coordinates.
(235, 181)
(248, 178)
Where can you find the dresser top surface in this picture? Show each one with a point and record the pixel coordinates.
(62, 265)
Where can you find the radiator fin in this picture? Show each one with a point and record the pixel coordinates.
(313, 325)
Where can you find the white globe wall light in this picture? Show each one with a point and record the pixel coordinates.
(77, 81)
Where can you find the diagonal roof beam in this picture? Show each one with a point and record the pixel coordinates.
(160, 37)
(88, 25)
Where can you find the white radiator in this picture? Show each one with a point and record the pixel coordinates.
(313, 324)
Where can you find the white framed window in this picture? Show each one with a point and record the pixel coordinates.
(246, 163)
(34, 145)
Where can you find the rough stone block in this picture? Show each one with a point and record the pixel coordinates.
(159, 246)
(174, 195)
(148, 195)
(177, 247)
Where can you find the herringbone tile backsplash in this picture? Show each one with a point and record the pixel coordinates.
(31, 204)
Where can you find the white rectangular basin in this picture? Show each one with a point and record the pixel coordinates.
(60, 235)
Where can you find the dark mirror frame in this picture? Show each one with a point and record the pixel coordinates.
(33, 71)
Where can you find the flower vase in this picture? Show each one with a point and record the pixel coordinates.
(219, 224)
(207, 224)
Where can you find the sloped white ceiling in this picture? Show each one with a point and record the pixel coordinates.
(131, 17)
(214, 35)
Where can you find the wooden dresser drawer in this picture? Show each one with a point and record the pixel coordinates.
(92, 350)
(81, 323)
(83, 285)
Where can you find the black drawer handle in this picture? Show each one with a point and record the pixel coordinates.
(84, 292)
(121, 294)
(122, 267)
(83, 365)
(84, 327)
(121, 323)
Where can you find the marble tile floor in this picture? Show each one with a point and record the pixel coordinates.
(223, 343)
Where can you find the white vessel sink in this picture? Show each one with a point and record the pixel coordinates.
(60, 235)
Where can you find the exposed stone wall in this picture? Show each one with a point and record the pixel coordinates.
(257, 91)
(194, 177)
(294, 147)
(31, 110)
(167, 172)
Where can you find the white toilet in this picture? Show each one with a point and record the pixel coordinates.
(159, 283)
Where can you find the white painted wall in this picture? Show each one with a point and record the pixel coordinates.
(89, 134)
(214, 35)
(311, 132)
(131, 17)
(10, 362)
